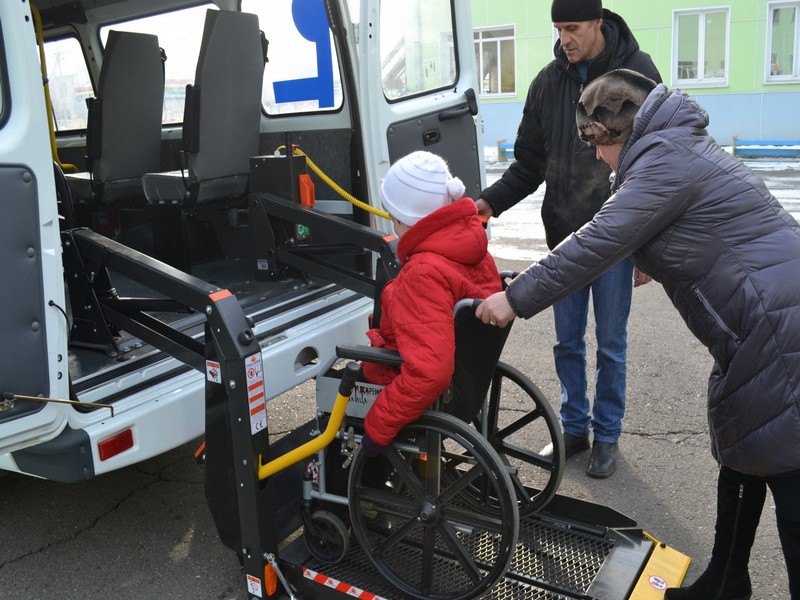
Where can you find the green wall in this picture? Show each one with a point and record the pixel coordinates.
(651, 23)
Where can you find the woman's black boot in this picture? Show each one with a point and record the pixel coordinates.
(789, 532)
(739, 502)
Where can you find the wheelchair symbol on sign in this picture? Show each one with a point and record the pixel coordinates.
(311, 20)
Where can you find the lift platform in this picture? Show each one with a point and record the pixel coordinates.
(603, 556)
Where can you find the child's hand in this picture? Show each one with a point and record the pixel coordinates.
(371, 448)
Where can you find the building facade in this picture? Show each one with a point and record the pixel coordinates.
(740, 59)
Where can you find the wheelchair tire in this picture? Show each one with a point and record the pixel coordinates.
(519, 439)
(327, 539)
(417, 529)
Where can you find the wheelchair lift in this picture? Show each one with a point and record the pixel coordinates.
(260, 493)
(569, 549)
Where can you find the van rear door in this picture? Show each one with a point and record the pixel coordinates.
(33, 347)
(418, 83)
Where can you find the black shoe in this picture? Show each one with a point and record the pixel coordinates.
(603, 461)
(573, 444)
(709, 586)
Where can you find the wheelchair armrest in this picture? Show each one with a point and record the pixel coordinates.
(383, 356)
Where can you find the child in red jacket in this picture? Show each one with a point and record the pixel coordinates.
(444, 256)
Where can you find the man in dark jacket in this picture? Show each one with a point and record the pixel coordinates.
(592, 41)
(728, 255)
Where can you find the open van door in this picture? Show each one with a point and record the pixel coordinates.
(418, 84)
(33, 322)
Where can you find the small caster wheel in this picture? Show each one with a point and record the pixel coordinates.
(327, 537)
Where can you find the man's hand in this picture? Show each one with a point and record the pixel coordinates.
(484, 208)
(496, 310)
(640, 277)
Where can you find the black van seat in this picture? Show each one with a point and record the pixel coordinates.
(222, 115)
(123, 137)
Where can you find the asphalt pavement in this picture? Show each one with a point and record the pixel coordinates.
(145, 532)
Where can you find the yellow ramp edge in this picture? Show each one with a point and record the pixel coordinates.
(665, 568)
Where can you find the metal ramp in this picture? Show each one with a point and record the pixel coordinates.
(557, 557)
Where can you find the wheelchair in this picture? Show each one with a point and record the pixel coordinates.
(437, 515)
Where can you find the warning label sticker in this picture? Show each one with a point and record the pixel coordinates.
(255, 393)
(213, 371)
(254, 586)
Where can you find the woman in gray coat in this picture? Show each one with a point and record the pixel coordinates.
(728, 255)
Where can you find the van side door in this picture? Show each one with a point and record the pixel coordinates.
(33, 352)
(422, 53)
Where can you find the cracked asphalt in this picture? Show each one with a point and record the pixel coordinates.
(145, 532)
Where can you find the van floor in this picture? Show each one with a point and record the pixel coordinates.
(91, 366)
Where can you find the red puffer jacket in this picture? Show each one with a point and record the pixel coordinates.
(445, 259)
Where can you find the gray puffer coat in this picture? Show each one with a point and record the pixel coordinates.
(728, 255)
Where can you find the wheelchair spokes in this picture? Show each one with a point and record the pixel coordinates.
(517, 438)
(421, 533)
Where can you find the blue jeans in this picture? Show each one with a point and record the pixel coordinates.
(611, 299)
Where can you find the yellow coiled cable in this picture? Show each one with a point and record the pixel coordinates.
(336, 187)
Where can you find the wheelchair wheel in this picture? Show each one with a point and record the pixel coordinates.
(416, 526)
(327, 537)
(519, 423)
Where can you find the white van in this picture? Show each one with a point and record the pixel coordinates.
(132, 177)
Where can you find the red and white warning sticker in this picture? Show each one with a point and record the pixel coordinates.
(213, 371)
(254, 586)
(340, 586)
(256, 395)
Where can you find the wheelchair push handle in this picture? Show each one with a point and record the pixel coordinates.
(474, 302)
(466, 303)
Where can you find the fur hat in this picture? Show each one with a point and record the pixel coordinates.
(417, 185)
(608, 105)
(567, 11)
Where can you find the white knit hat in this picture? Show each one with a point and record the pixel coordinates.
(417, 185)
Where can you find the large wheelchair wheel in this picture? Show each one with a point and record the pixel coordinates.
(519, 422)
(424, 531)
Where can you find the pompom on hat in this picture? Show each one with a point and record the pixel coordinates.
(417, 185)
(568, 11)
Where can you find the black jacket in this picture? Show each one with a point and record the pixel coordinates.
(728, 255)
(547, 147)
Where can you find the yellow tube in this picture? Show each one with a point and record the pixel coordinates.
(310, 447)
(37, 25)
(337, 188)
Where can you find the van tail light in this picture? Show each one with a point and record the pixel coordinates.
(116, 444)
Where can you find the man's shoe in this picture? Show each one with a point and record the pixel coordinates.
(573, 444)
(603, 461)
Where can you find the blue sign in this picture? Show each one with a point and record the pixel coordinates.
(311, 21)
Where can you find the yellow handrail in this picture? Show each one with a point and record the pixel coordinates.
(337, 188)
(318, 443)
(37, 24)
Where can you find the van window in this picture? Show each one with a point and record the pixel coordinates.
(303, 73)
(417, 48)
(179, 33)
(69, 83)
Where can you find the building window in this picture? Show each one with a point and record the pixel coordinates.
(494, 55)
(700, 47)
(783, 42)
